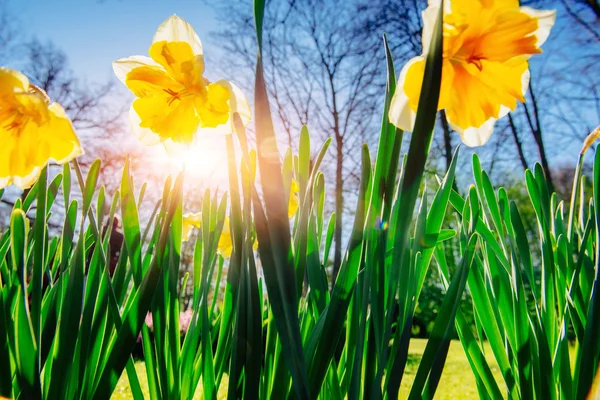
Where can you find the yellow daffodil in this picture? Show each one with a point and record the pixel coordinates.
(174, 100)
(487, 44)
(190, 221)
(33, 131)
(294, 202)
(225, 245)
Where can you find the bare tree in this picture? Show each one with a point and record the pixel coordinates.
(318, 74)
(586, 13)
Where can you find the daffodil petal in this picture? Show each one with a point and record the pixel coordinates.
(294, 202)
(186, 231)
(148, 81)
(504, 3)
(25, 182)
(545, 20)
(11, 80)
(176, 29)
(193, 218)
(293, 206)
(190, 221)
(23, 157)
(5, 159)
(510, 80)
(225, 244)
(478, 136)
(179, 60)
(238, 102)
(525, 78)
(171, 119)
(401, 114)
(213, 109)
(123, 66)
(145, 135)
(58, 134)
(474, 137)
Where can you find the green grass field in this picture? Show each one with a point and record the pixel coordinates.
(457, 381)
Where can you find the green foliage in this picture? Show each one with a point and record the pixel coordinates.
(533, 296)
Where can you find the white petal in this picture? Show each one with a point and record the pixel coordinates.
(545, 18)
(77, 151)
(400, 114)
(124, 65)
(237, 102)
(4, 182)
(436, 3)
(145, 135)
(176, 29)
(525, 82)
(429, 16)
(25, 182)
(474, 137)
(503, 112)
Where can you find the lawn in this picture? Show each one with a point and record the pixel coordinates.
(457, 381)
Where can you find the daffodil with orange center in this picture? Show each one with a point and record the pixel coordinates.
(174, 99)
(33, 131)
(485, 70)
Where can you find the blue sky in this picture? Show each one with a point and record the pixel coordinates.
(93, 33)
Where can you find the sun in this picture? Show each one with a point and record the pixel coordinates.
(204, 161)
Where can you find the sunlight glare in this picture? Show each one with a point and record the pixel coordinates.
(205, 161)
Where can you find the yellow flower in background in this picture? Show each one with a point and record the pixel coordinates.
(190, 221)
(225, 245)
(174, 100)
(33, 131)
(294, 202)
(487, 44)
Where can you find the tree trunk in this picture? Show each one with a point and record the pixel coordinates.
(595, 6)
(518, 143)
(536, 130)
(339, 181)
